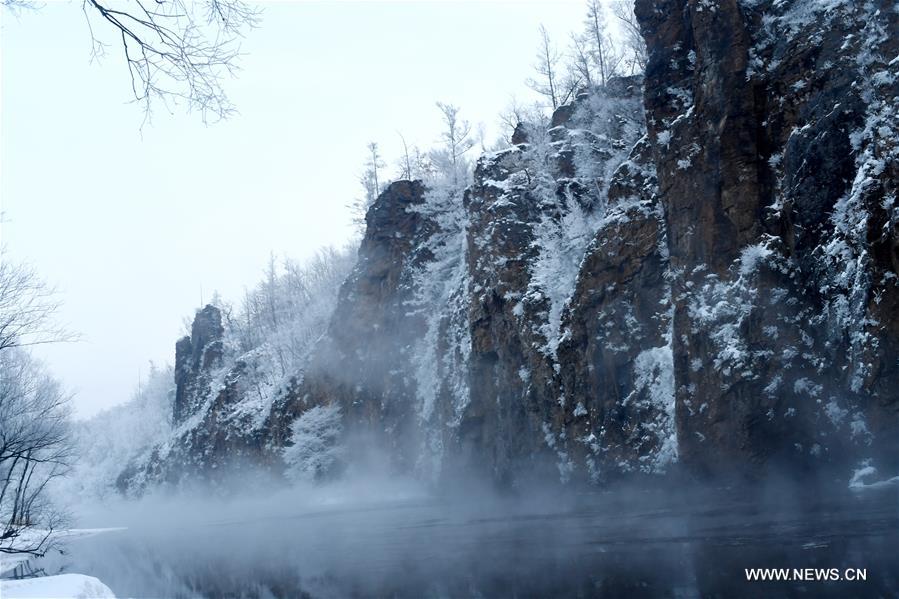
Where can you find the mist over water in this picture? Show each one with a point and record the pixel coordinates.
(381, 536)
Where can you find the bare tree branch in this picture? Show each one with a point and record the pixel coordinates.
(546, 66)
(176, 51)
(27, 305)
(633, 42)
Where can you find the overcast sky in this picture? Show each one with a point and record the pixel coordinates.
(131, 225)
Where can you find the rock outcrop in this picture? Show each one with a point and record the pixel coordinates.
(365, 361)
(196, 356)
(219, 415)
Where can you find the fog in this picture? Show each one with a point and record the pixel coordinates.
(371, 533)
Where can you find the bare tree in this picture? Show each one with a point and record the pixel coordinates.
(176, 51)
(601, 48)
(27, 306)
(371, 185)
(414, 164)
(374, 165)
(406, 160)
(547, 69)
(510, 118)
(580, 58)
(632, 39)
(34, 432)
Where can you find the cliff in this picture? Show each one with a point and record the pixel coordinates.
(696, 269)
(773, 127)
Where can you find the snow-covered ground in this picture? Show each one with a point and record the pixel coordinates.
(67, 586)
(62, 586)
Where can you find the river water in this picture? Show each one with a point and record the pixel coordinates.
(620, 544)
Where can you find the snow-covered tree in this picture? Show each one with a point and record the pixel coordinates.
(35, 445)
(315, 447)
(373, 166)
(35, 449)
(289, 309)
(109, 441)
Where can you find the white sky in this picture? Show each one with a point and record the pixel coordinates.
(130, 226)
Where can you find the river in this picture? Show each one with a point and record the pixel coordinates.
(618, 544)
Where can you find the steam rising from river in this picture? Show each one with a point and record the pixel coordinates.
(375, 534)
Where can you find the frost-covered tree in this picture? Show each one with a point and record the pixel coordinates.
(109, 441)
(372, 168)
(314, 448)
(449, 159)
(414, 164)
(34, 413)
(288, 310)
(35, 449)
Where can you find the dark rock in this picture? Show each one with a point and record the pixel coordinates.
(520, 134)
(758, 112)
(195, 357)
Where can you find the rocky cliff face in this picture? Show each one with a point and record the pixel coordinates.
(218, 415)
(773, 126)
(447, 337)
(365, 362)
(696, 268)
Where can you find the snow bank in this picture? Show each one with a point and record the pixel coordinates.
(55, 587)
(863, 475)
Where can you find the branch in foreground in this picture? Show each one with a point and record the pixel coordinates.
(176, 51)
